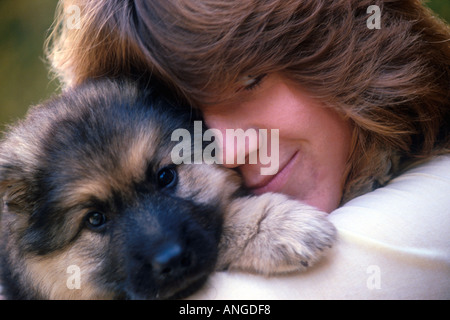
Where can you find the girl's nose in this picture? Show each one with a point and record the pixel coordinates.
(238, 145)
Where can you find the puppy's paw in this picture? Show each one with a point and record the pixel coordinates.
(297, 236)
(291, 236)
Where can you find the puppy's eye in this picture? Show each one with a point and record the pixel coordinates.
(95, 220)
(167, 177)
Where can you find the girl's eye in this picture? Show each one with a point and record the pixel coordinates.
(95, 220)
(250, 82)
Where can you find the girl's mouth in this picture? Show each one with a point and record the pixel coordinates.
(276, 182)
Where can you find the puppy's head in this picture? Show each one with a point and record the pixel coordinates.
(93, 206)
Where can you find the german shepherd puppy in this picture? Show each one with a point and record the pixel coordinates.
(87, 181)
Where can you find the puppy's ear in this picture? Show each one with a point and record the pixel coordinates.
(13, 183)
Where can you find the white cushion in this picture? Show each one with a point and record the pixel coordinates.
(394, 243)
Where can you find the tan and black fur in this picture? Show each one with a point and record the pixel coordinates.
(87, 180)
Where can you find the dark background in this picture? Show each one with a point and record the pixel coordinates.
(24, 76)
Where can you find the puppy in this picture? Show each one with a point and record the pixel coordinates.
(88, 186)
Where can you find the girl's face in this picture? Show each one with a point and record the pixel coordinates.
(314, 142)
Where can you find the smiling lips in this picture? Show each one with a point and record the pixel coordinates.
(276, 182)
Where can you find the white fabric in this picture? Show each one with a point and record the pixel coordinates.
(394, 243)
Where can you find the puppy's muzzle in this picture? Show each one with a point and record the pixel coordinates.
(169, 255)
(171, 260)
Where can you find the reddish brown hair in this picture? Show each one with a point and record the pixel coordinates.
(392, 83)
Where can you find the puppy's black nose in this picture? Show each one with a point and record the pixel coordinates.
(170, 260)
